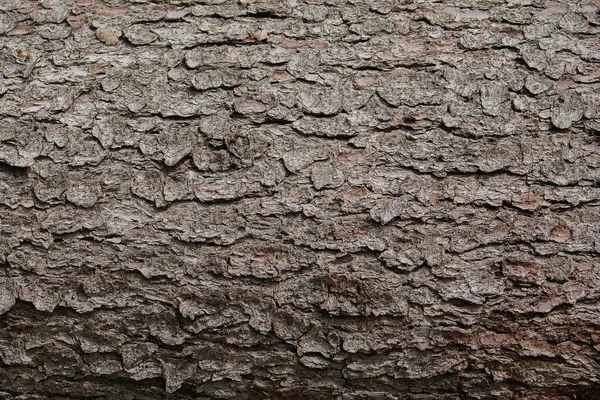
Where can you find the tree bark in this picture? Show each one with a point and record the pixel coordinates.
(328, 199)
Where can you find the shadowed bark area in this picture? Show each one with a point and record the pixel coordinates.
(289, 199)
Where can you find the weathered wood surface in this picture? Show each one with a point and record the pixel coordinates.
(327, 199)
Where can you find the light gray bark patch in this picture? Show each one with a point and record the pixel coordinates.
(567, 110)
(139, 34)
(83, 191)
(327, 101)
(533, 56)
(406, 87)
(324, 174)
(7, 294)
(492, 97)
(329, 127)
(387, 210)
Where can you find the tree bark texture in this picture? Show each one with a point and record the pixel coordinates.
(288, 199)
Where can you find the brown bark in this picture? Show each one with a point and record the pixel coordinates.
(375, 199)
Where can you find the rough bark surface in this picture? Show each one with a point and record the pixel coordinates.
(326, 199)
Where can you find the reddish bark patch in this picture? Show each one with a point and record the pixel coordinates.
(355, 193)
(98, 68)
(365, 81)
(281, 76)
(21, 29)
(529, 202)
(523, 271)
(76, 21)
(286, 43)
(351, 158)
(560, 233)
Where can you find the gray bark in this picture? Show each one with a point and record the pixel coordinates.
(327, 199)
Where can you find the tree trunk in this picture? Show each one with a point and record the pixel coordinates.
(327, 199)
